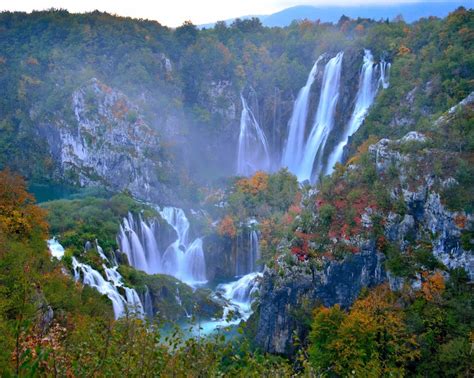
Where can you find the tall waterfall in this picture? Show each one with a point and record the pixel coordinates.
(183, 260)
(324, 120)
(253, 152)
(293, 152)
(368, 87)
(384, 73)
(365, 97)
(248, 254)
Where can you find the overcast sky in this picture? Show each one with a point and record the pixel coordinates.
(174, 12)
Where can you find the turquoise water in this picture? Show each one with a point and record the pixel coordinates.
(52, 192)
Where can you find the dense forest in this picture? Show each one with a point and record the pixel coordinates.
(363, 269)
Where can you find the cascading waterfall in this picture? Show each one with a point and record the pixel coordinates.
(93, 278)
(183, 260)
(365, 97)
(293, 152)
(241, 292)
(55, 248)
(253, 152)
(324, 120)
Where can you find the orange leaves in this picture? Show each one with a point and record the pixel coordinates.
(253, 185)
(360, 28)
(370, 340)
(227, 227)
(19, 216)
(433, 286)
(362, 149)
(403, 50)
(120, 109)
(460, 221)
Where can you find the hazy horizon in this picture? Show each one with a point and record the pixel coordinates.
(203, 12)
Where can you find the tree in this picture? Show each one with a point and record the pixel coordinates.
(372, 339)
(19, 216)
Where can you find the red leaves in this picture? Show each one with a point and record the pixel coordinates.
(302, 250)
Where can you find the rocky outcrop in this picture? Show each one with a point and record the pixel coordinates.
(108, 144)
(283, 294)
(422, 221)
(219, 252)
(426, 218)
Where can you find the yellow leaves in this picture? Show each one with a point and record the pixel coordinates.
(253, 185)
(362, 149)
(370, 340)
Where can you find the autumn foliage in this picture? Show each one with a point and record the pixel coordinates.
(227, 227)
(253, 185)
(19, 216)
(370, 340)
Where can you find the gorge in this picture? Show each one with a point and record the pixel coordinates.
(238, 200)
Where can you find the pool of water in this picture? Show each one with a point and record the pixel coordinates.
(51, 192)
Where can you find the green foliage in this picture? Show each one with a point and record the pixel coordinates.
(81, 220)
(263, 194)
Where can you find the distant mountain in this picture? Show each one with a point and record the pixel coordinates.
(410, 12)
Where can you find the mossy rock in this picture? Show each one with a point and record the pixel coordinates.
(172, 299)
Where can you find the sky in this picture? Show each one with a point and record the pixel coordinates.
(175, 12)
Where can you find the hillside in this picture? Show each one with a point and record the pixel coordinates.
(236, 201)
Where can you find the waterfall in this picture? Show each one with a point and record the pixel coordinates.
(55, 248)
(94, 279)
(183, 260)
(241, 292)
(253, 152)
(384, 74)
(368, 87)
(248, 252)
(324, 120)
(293, 152)
(254, 251)
(148, 303)
(364, 99)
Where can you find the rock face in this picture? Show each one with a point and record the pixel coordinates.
(227, 257)
(219, 252)
(107, 144)
(282, 295)
(423, 220)
(427, 218)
